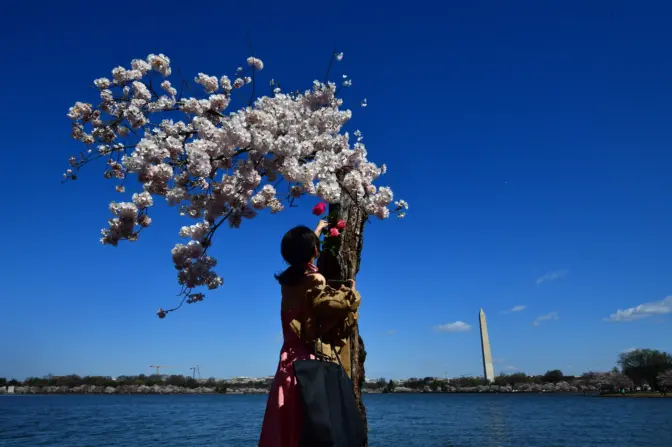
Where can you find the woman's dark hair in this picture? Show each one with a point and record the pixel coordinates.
(297, 248)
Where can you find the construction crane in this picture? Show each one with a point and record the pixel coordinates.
(195, 369)
(158, 367)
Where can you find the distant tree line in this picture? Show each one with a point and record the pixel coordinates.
(644, 368)
(73, 380)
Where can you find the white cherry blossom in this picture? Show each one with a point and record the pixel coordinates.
(215, 165)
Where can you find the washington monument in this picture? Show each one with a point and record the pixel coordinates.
(488, 369)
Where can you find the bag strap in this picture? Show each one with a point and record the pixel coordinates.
(333, 348)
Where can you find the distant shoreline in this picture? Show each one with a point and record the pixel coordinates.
(641, 395)
(175, 390)
(124, 390)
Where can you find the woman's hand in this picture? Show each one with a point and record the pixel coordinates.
(348, 284)
(321, 225)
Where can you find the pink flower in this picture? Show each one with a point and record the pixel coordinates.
(334, 232)
(320, 208)
(341, 225)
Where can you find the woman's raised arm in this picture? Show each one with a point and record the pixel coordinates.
(321, 225)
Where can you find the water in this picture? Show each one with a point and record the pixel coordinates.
(395, 420)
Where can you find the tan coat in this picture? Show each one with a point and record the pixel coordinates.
(328, 313)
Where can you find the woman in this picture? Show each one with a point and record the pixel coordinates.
(306, 299)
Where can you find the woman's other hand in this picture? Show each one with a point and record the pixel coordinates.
(348, 284)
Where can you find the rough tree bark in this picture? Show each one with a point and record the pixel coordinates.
(346, 266)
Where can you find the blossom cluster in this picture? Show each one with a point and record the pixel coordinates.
(215, 166)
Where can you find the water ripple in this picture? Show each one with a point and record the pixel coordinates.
(442, 420)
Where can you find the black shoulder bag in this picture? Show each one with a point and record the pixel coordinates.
(331, 416)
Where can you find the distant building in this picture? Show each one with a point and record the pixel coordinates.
(488, 368)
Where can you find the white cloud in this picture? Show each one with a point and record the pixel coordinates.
(552, 276)
(549, 316)
(458, 326)
(625, 351)
(645, 310)
(510, 368)
(391, 332)
(518, 308)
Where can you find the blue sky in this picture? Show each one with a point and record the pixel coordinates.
(531, 141)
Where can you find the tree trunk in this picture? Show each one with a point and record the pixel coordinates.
(346, 266)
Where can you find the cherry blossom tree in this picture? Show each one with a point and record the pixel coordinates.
(665, 381)
(220, 167)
